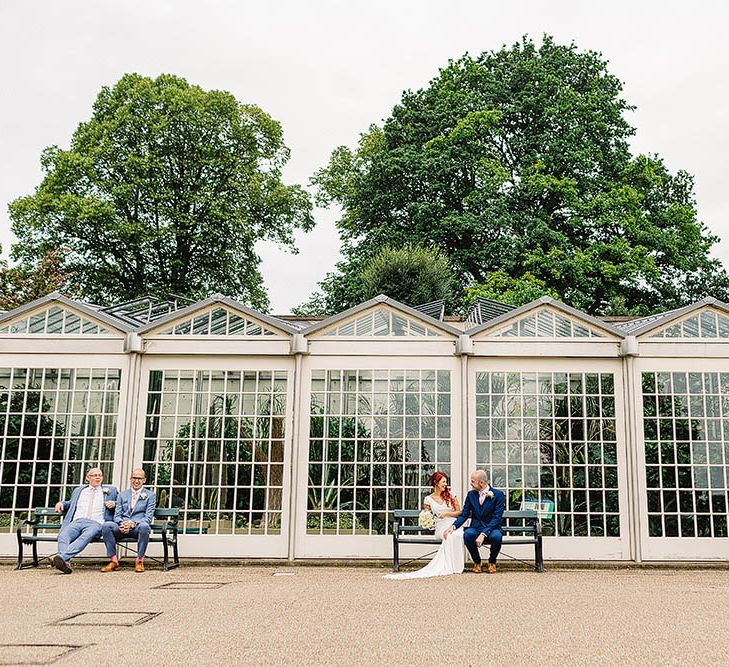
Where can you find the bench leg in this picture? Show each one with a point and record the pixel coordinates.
(165, 555)
(19, 564)
(175, 555)
(35, 554)
(539, 555)
(395, 554)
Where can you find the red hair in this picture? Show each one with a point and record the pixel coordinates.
(434, 479)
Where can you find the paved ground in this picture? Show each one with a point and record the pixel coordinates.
(305, 615)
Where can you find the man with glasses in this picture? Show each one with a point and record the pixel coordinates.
(132, 518)
(84, 515)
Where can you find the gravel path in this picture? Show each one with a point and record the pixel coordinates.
(305, 615)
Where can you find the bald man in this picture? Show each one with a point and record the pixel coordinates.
(484, 505)
(84, 515)
(133, 518)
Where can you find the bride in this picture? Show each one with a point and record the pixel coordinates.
(450, 556)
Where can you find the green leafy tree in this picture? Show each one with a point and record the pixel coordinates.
(518, 161)
(167, 188)
(499, 286)
(412, 274)
(21, 284)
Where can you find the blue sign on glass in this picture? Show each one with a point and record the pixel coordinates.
(544, 508)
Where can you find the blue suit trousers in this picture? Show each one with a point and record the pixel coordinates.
(76, 536)
(494, 539)
(111, 534)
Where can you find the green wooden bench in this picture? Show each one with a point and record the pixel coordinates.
(46, 524)
(519, 527)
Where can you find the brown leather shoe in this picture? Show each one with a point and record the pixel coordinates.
(491, 569)
(477, 568)
(139, 566)
(110, 566)
(60, 564)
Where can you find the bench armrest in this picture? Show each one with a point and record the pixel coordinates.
(33, 521)
(24, 522)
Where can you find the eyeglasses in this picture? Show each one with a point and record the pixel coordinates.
(142, 478)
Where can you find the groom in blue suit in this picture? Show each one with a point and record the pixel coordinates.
(84, 514)
(133, 518)
(484, 505)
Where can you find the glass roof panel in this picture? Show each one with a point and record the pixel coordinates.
(547, 324)
(708, 324)
(72, 324)
(218, 321)
(382, 322)
(54, 321)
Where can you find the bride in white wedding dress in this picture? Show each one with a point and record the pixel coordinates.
(450, 556)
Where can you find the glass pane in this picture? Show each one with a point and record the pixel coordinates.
(220, 452)
(397, 439)
(40, 459)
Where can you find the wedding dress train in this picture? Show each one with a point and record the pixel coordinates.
(450, 556)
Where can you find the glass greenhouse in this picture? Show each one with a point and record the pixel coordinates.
(291, 438)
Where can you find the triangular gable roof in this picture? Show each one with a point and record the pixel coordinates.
(217, 299)
(522, 311)
(664, 320)
(373, 303)
(56, 298)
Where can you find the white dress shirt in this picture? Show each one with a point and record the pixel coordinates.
(85, 499)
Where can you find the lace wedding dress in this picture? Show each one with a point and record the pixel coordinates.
(450, 556)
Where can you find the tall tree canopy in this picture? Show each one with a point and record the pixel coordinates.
(518, 161)
(19, 285)
(166, 189)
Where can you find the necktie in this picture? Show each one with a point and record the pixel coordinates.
(92, 501)
(135, 495)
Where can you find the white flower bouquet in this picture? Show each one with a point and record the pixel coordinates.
(426, 520)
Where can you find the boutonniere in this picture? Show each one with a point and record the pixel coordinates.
(489, 494)
(143, 496)
(105, 490)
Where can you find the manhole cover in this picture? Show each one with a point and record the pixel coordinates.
(117, 618)
(35, 654)
(190, 585)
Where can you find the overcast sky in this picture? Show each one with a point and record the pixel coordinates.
(326, 70)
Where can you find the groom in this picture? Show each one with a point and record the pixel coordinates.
(485, 507)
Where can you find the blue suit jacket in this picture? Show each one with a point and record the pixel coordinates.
(143, 510)
(486, 517)
(69, 506)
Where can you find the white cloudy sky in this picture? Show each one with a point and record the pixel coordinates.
(327, 69)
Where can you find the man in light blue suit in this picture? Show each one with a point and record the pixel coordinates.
(84, 515)
(133, 518)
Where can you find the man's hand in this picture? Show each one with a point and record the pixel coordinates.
(480, 539)
(126, 526)
(58, 507)
(110, 504)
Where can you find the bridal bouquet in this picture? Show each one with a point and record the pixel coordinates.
(426, 520)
